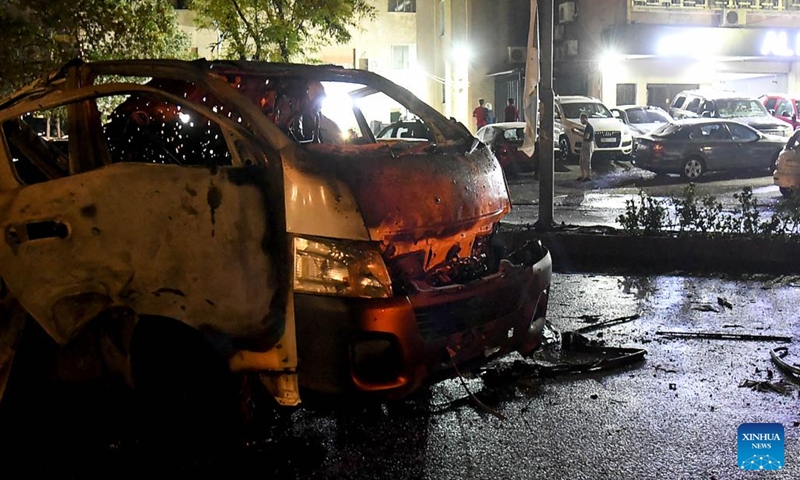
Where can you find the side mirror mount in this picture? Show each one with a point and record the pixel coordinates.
(615, 113)
(771, 111)
(794, 117)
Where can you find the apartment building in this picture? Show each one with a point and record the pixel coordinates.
(450, 53)
(645, 51)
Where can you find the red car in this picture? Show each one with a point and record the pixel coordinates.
(782, 106)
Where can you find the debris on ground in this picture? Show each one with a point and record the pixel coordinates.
(732, 325)
(723, 302)
(782, 281)
(588, 318)
(706, 307)
(609, 323)
(665, 370)
(726, 336)
(781, 386)
(778, 355)
(673, 386)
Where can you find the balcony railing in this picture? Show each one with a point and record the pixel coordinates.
(753, 5)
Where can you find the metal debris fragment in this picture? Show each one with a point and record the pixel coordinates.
(778, 355)
(608, 323)
(706, 307)
(780, 386)
(472, 396)
(726, 336)
(723, 302)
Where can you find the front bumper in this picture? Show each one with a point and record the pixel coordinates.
(390, 347)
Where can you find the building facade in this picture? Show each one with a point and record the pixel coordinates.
(449, 53)
(646, 51)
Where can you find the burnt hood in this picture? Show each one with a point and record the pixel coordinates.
(419, 197)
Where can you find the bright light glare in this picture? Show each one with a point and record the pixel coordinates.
(184, 117)
(461, 52)
(338, 106)
(695, 44)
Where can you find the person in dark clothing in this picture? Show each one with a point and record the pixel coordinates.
(587, 149)
(481, 114)
(511, 114)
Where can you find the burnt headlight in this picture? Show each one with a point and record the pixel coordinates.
(348, 269)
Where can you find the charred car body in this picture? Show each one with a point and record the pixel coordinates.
(230, 200)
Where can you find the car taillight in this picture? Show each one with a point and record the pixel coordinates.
(658, 148)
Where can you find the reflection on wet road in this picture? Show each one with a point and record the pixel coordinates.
(673, 416)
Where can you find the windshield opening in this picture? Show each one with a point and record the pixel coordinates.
(740, 107)
(591, 109)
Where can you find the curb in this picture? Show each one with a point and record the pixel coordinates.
(579, 251)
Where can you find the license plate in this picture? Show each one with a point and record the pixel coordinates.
(608, 140)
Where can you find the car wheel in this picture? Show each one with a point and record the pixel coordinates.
(564, 150)
(786, 192)
(693, 168)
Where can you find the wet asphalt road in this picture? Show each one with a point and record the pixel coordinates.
(602, 200)
(672, 416)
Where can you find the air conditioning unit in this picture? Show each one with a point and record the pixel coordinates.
(567, 12)
(733, 18)
(517, 54)
(571, 48)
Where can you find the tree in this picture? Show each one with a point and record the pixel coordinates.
(40, 35)
(280, 30)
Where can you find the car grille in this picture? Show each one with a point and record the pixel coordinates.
(441, 321)
(607, 139)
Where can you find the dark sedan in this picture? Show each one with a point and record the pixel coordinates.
(692, 147)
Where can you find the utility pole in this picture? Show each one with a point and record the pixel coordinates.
(545, 146)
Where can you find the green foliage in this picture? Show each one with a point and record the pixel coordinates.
(643, 216)
(280, 30)
(690, 214)
(40, 35)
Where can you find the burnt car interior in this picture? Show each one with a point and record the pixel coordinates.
(148, 127)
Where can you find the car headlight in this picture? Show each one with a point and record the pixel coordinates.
(348, 269)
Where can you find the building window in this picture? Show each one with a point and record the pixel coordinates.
(400, 57)
(626, 94)
(403, 5)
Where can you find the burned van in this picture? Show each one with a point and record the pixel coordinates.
(248, 210)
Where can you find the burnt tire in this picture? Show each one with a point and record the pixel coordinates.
(187, 400)
(693, 168)
(786, 192)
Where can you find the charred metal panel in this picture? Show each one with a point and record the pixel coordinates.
(423, 199)
(180, 242)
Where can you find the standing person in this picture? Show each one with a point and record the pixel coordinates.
(511, 114)
(587, 148)
(489, 113)
(481, 114)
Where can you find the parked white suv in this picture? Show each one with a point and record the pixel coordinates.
(611, 136)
